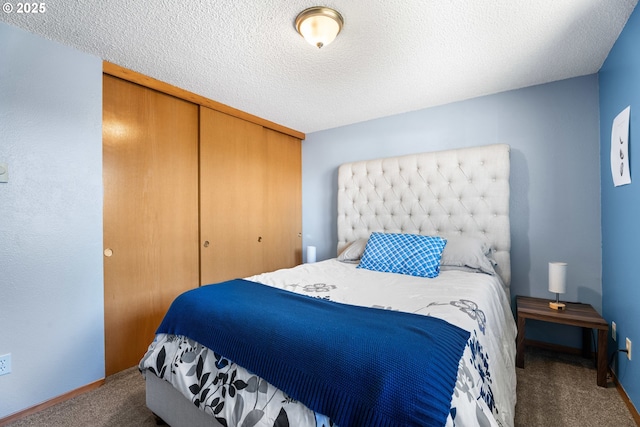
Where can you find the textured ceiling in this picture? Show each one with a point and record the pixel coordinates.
(391, 57)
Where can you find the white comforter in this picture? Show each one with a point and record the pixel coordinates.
(485, 391)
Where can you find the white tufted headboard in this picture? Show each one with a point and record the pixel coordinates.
(446, 193)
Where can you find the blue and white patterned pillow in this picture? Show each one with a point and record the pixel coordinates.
(410, 254)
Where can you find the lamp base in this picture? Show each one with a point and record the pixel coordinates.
(557, 305)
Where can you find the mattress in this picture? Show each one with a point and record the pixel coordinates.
(485, 389)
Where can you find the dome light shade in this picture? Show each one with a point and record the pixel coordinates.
(319, 25)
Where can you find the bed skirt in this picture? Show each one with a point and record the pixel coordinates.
(172, 407)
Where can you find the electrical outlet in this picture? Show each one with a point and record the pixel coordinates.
(614, 335)
(5, 364)
(628, 349)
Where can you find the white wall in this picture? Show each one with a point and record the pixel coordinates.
(553, 132)
(51, 277)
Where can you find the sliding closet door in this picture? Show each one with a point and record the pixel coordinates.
(150, 174)
(232, 173)
(283, 201)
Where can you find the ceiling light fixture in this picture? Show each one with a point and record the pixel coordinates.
(319, 25)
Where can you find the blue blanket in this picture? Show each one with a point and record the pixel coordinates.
(359, 366)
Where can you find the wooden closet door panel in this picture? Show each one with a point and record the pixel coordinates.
(283, 198)
(150, 176)
(232, 170)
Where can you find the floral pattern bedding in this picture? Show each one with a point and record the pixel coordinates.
(484, 394)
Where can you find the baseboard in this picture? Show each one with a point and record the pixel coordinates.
(625, 398)
(39, 407)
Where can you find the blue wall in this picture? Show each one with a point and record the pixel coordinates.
(619, 88)
(51, 277)
(553, 131)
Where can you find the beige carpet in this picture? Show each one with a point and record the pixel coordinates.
(119, 402)
(560, 390)
(553, 390)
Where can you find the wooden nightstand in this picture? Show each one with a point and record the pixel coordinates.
(582, 315)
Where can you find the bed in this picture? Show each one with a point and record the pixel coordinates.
(455, 203)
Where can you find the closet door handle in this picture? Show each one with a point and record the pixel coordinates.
(259, 239)
(206, 244)
(108, 252)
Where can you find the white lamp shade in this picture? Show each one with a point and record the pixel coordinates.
(558, 277)
(311, 254)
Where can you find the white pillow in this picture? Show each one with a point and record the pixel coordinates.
(468, 254)
(353, 252)
(461, 253)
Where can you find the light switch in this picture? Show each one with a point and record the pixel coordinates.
(4, 172)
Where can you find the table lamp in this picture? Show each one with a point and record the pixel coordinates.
(311, 254)
(557, 283)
